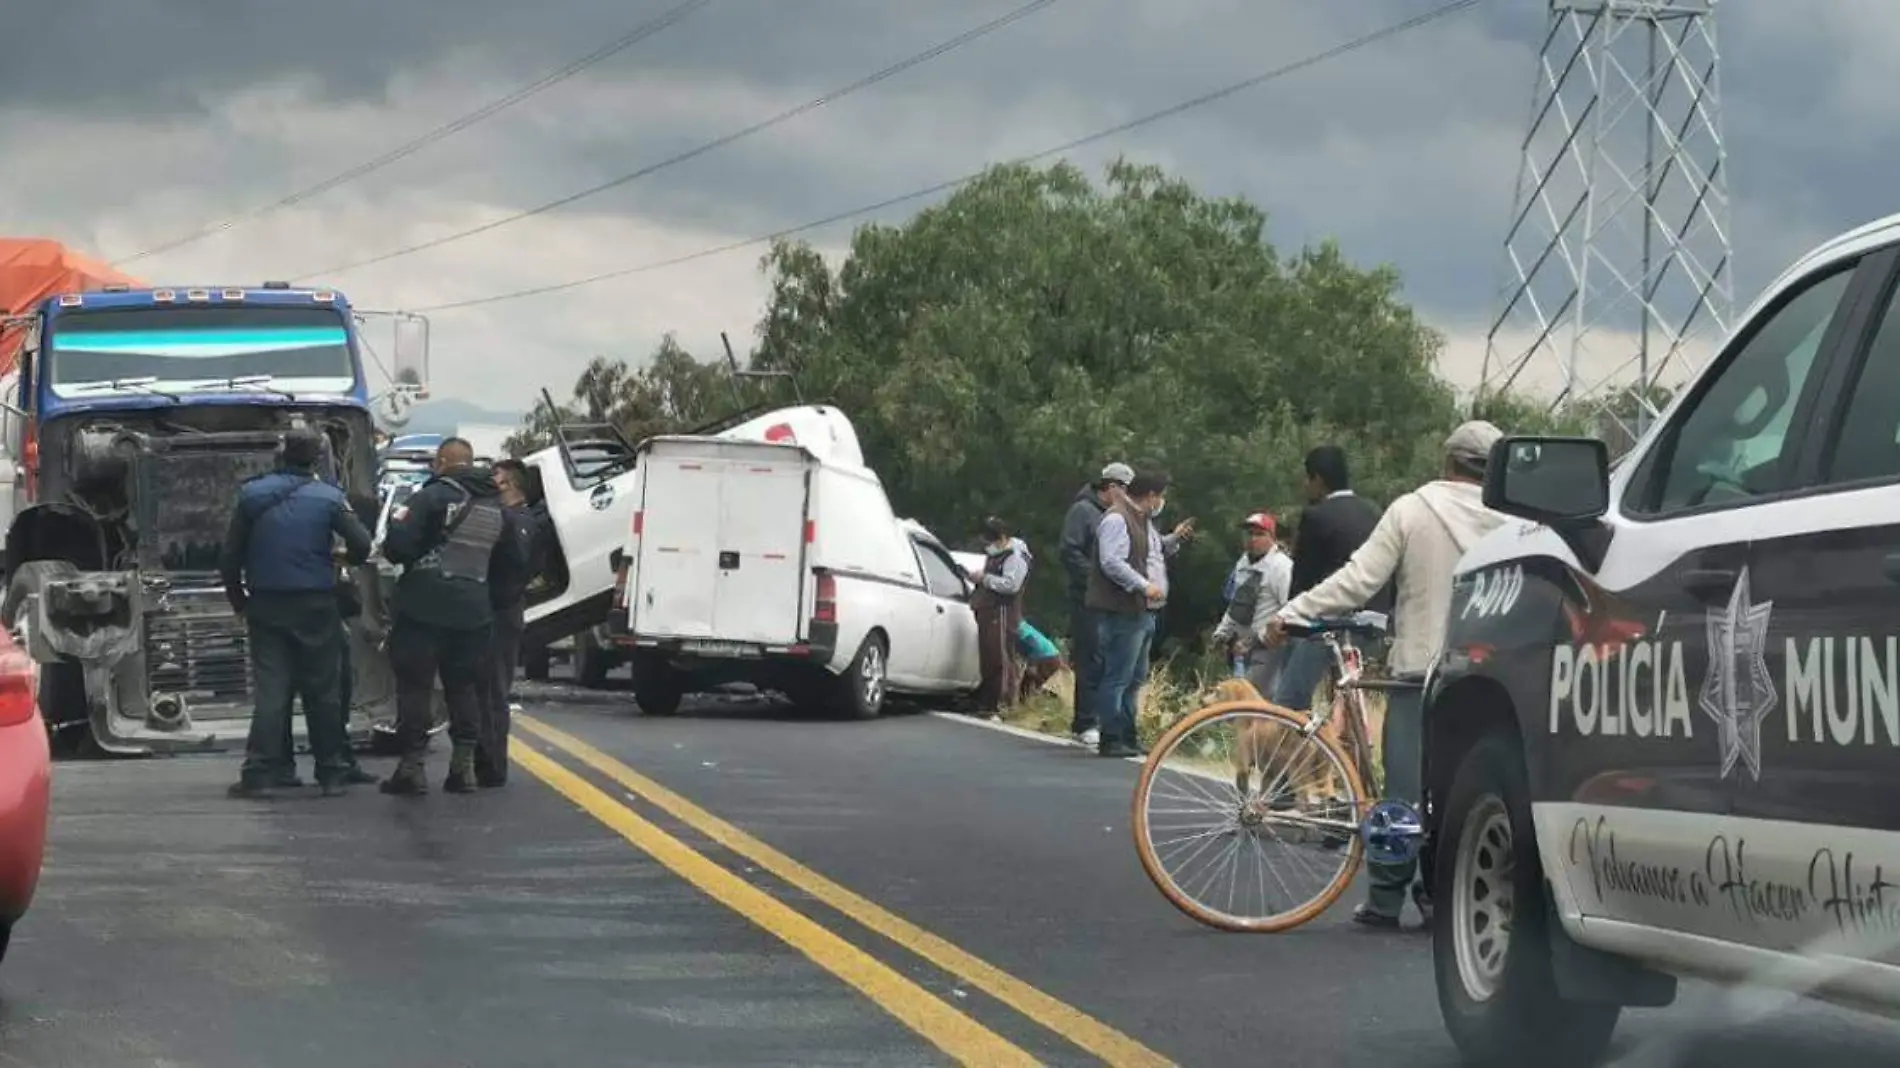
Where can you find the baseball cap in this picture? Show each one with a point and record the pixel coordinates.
(1471, 442)
(1117, 472)
(1260, 521)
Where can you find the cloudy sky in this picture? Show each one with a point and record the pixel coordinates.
(127, 125)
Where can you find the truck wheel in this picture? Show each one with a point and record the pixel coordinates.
(535, 663)
(62, 686)
(1491, 953)
(862, 688)
(658, 689)
(591, 662)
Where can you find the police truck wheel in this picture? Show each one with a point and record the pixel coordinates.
(862, 688)
(535, 663)
(1491, 951)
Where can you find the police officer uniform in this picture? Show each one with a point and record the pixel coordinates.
(279, 572)
(447, 536)
(508, 587)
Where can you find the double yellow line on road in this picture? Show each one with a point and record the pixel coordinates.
(948, 1028)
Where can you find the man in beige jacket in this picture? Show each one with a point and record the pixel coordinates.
(1418, 540)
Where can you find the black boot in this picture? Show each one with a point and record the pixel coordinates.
(491, 773)
(354, 775)
(461, 777)
(408, 780)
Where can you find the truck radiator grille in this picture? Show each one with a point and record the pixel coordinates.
(197, 648)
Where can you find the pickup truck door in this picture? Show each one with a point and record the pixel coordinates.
(1667, 710)
(953, 639)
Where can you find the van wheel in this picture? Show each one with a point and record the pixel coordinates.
(1491, 952)
(863, 686)
(658, 689)
(535, 663)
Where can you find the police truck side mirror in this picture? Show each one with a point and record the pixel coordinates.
(1560, 482)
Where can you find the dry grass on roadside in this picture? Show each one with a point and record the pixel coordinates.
(1165, 700)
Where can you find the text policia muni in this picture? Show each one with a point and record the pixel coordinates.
(1829, 689)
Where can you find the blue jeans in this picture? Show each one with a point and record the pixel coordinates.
(1123, 640)
(1402, 742)
(1303, 665)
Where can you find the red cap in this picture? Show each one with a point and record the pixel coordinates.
(1260, 521)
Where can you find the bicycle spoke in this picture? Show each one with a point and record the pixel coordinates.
(1244, 815)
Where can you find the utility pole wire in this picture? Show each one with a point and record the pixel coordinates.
(1100, 135)
(758, 127)
(632, 37)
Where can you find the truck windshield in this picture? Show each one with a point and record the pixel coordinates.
(174, 349)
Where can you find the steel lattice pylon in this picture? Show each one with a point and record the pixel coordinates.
(1617, 256)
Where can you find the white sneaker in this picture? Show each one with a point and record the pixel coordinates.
(1090, 738)
(515, 708)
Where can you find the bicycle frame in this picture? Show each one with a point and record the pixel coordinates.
(1347, 666)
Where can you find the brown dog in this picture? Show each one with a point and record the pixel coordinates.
(1261, 741)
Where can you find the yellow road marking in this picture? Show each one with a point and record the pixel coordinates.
(958, 1035)
(1112, 1046)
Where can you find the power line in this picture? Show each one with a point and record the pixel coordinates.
(632, 37)
(784, 116)
(1100, 135)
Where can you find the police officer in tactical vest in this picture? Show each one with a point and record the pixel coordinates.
(448, 537)
(279, 572)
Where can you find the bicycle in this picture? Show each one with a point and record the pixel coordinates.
(1321, 798)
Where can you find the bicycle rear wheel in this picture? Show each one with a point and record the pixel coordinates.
(1273, 812)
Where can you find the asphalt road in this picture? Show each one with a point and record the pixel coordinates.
(735, 886)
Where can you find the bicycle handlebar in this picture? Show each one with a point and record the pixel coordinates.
(1365, 624)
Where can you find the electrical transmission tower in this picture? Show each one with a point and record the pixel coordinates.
(1617, 276)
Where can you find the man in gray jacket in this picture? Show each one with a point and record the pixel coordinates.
(1078, 562)
(1418, 541)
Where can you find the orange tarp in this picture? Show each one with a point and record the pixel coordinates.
(32, 269)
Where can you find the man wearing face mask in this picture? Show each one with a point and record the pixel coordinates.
(1127, 587)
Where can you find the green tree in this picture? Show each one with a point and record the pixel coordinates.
(997, 348)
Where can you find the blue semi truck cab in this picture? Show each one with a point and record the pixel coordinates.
(126, 427)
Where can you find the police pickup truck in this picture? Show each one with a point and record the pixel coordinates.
(1664, 736)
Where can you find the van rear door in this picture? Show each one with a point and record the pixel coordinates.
(721, 542)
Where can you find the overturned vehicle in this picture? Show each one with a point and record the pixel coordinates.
(132, 418)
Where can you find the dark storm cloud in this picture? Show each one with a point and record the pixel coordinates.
(1405, 151)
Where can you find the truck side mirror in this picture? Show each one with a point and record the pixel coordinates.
(1560, 482)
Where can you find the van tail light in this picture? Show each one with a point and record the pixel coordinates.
(18, 702)
(639, 523)
(824, 607)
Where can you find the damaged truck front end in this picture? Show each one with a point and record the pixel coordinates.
(114, 584)
(136, 424)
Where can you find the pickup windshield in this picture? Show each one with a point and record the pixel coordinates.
(174, 349)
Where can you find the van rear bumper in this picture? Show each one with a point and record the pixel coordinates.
(819, 647)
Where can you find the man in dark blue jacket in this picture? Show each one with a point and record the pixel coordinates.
(279, 571)
(452, 536)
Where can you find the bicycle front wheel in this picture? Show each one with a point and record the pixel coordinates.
(1245, 822)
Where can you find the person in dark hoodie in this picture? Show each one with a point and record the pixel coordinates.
(521, 497)
(451, 538)
(1078, 563)
(998, 603)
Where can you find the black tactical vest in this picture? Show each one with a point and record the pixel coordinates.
(472, 528)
